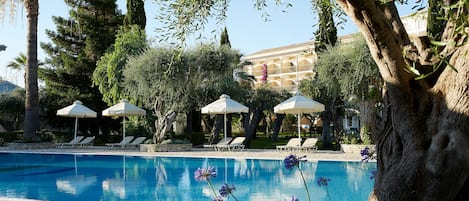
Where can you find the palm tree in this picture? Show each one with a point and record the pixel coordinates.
(18, 62)
(31, 120)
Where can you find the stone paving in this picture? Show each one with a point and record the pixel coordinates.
(200, 152)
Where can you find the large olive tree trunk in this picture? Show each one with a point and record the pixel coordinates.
(423, 141)
(164, 121)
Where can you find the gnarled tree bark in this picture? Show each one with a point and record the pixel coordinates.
(423, 137)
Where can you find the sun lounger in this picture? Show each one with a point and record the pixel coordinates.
(293, 143)
(73, 142)
(309, 144)
(122, 143)
(223, 141)
(88, 141)
(136, 142)
(237, 143)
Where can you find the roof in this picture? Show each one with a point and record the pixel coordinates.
(6, 87)
(288, 49)
(304, 47)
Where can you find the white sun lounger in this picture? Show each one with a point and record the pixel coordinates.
(136, 142)
(122, 143)
(293, 143)
(309, 144)
(73, 142)
(88, 141)
(223, 141)
(237, 143)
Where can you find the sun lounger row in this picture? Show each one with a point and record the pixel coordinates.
(80, 141)
(294, 144)
(129, 141)
(228, 144)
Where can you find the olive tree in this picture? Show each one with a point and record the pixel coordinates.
(172, 82)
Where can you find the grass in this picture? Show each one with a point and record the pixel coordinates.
(264, 142)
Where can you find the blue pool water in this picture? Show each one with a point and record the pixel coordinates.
(63, 177)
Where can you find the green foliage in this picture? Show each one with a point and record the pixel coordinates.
(435, 21)
(262, 142)
(12, 109)
(135, 14)
(108, 73)
(196, 138)
(180, 81)
(366, 135)
(11, 136)
(347, 71)
(367, 139)
(180, 18)
(290, 122)
(133, 127)
(349, 138)
(265, 98)
(327, 32)
(224, 38)
(18, 63)
(75, 47)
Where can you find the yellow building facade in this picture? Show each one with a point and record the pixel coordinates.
(282, 67)
(287, 65)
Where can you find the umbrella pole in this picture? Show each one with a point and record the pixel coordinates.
(76, 125)
(299, 126)
(224, 129)
(123, 125)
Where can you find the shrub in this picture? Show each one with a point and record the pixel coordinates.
(350, 138)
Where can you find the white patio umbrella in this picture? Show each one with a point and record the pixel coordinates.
(123, 109)
(224, 105)
(77, 110)
(298, 104)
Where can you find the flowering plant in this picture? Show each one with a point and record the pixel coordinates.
(367, 154)
(205, 174)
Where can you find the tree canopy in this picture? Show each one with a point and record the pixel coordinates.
(170, 81)
(76, 47)
(108, 73)
(135, 14)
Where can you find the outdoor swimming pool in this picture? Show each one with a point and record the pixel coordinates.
(60, 177)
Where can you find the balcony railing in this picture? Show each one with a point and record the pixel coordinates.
(284, 70)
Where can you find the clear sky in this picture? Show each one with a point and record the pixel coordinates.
(247, 29)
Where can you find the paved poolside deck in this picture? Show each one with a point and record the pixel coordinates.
(323, 155)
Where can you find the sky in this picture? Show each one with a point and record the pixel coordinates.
(248, 30)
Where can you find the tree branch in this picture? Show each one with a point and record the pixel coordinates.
(383, 38)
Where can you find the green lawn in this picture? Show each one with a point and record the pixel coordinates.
(263, 142)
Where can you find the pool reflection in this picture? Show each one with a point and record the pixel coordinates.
(130, 178)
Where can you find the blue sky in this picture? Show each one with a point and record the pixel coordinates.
(247, 29)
